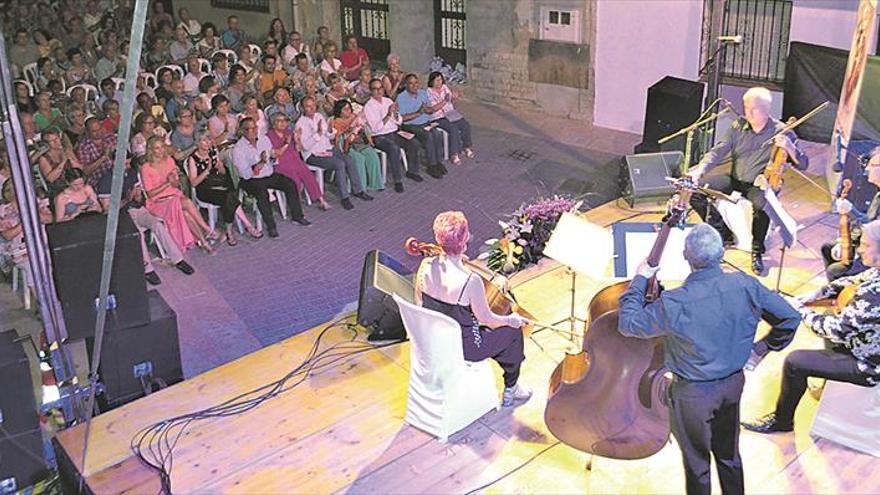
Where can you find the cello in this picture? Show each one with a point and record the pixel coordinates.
(609, 399)
(500, 301)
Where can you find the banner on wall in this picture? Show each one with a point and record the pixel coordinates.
(852, 81)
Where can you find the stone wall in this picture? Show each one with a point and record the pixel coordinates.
(499, 64)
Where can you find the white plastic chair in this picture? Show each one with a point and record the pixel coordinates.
(403, 160)
(91, 91)
(212, 210)
(738, 218)
(119, 82)
(204, 65)
(230, 55)
(383, 160)
(849, 415)
(28, 85)
(176, 68)
(20, 272)
(446, 393)
(445, 142)
(150, 79)
(256, 52)
(274, 195)
(29, 72)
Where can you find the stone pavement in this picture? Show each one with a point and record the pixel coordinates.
(261, 292)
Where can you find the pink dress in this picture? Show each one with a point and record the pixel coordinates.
(292, 166)
(167, 203)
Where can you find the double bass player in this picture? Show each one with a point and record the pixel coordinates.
(709, 326)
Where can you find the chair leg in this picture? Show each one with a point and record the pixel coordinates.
(403, 160)
(212, 218)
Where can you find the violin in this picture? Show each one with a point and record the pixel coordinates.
(609, 399)
(776, 166)
(501, 301)
(843, 226)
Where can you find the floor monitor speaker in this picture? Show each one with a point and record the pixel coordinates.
(381, 277)
(648, 174)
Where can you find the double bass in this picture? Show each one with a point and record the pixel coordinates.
(609, 399)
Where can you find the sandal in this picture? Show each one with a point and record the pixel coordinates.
(323, 205)
(206, 247)
(256, 234)
(231, 240)
(469, 153)
(455, 160)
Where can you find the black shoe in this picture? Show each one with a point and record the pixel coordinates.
(767, 424)
(414, 176)
(152, 278)
(757, 263)
(363, 196)
(273, 232)
(185, 267)
(443, 168)
(346, 203)
(728, 242)
(398, 187)
(302, 221)
(435, 172)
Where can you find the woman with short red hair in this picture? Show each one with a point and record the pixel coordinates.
(446, 285)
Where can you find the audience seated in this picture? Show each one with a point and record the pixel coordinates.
(46, 116)
(271, 77)
(213, 185)
(315, 136)
(210, 42)
(413, 104)
(290, 163)
(253, 157)
(95, 151)
(392, 80)
(383, 118)
(320, 44)
(233, 37)
(355, 143)
(192, 27)
(330, 64)
(161, 181)
(76, 198)
(294, 47)
(181, 47)
(277, 32)
(353, 58)
(56, 161)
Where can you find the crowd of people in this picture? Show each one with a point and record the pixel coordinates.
(222, 116)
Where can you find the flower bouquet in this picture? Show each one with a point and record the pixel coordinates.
(526, 234)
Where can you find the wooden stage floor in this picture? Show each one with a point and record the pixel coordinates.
(342, 429)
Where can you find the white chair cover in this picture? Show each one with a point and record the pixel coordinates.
(738, 218)
(446, 393)
(850, 415)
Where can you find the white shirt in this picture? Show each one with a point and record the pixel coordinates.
(245, 155)
(191, 83)
(375, 113)
(312, 140)
(289, 52)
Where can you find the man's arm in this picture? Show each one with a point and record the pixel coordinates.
(636, 319)
(718, 153)
(783, 318)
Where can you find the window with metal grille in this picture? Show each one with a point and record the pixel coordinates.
(368, 20)
(764, 26)
(450, 30)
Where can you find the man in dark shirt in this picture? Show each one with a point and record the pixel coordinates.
(853, 355)
(831, 253)
(744, 144)
(709, 327)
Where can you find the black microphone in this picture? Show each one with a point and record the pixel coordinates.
(727, 105)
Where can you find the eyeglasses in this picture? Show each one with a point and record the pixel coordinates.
(374, 88)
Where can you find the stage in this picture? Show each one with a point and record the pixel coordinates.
(342, 429)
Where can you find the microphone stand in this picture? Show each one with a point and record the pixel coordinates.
(689, 131)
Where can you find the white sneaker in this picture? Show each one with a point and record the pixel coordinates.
(516, 393)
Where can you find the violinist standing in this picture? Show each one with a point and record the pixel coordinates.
(744, 144)
(709, 327)
(444, 284)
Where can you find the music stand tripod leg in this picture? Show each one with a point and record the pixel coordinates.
(781, 264)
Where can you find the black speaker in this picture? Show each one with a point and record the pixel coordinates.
(22, 461)
(18, 405)
(77, 250)
(672, 104)
(138, 356)
(857, 156)
(381, 277)
(648, 174)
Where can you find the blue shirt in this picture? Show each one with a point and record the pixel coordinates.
(410, 103)
(709, 322)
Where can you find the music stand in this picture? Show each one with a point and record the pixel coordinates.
(581, 246)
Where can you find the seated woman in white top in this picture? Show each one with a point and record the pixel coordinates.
(330, 64)
(449, 118)
(446, 285)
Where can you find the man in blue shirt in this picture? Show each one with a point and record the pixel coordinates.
(709, 327)
(413, 104)
(233, 37)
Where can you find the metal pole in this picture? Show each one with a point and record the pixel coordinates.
(126, 109)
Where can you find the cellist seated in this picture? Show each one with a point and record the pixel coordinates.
(854, 334)
(446, 285)
(831, 252)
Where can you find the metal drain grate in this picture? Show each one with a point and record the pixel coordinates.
(521, 155)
